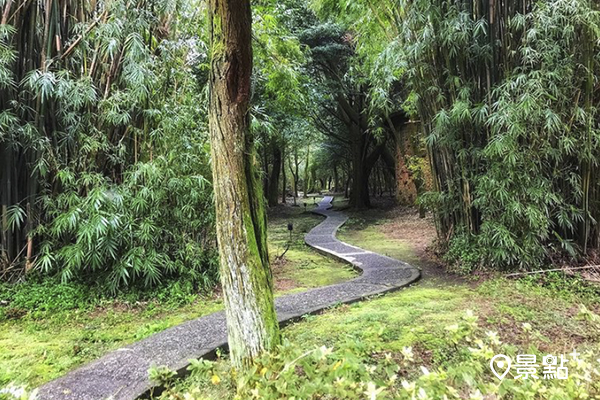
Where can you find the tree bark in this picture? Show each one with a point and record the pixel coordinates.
(241, 220)
(336, 180)
(284, 178)
(273, 194)
(307, 174)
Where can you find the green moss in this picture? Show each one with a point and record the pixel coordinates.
(367, 235)
(303, 266)
(35, 351)
(387, 323)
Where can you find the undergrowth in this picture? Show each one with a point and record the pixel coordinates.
(354, 369)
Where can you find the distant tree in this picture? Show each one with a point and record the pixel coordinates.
(343, 109)
(241, 221)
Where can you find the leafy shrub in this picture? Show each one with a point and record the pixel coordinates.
(46, 295)
(352, 371)
(462, 255)
(157, 224)
(42, 296)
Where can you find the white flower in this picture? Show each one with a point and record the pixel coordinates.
(407, 353)
(325, 351)
(372, 391)
(493, 337)
(408, 386)
(476, 396)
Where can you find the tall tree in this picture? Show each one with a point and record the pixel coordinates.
(241, 220)
(343, 108)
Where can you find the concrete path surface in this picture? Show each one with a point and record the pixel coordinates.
(123, 374)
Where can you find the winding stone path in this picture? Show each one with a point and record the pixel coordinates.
(123, 374)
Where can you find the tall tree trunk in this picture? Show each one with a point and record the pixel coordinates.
(307, 174)
(284, 178)
(359, 194)
(241, 220)
(347, 187)
(336, 180)
(273, 194)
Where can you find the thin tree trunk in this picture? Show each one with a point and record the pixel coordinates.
(336, 180)
(307, 173)
(273, 185)
(241, 221)
(284, 178)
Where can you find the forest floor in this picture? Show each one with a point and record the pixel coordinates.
(37, 349)
(541, 313)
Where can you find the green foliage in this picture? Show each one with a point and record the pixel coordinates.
(124, 233)
(113, 150)
(351, 371)
(462, 255)
(45, 296)
(565, 286)
(510, 116)
(162, 376)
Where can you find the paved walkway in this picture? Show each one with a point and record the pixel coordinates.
(123, 374)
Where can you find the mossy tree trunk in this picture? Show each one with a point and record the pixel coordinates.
(240, 211)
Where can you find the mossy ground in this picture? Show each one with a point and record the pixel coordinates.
(33, 351)
(36, 348)
(418, 316)
(301, 267)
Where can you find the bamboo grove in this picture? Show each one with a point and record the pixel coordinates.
(102, 143)
(507, 94)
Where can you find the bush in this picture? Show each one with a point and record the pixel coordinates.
(157, 224)
(42, 296)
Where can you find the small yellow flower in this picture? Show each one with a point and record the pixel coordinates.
(215, 379)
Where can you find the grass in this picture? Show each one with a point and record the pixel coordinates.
(301, 268)
(40, 346)
(417, 317)
(33, 351)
